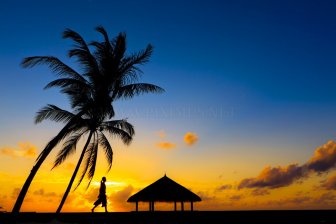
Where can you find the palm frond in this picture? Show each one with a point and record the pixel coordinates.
(68, 129)
(77, 92)
(102, 30)
(119, 128)
(139, 58)
(83, 54)
(90, 161)
(100, 47)
(68, 82)
(93, 162)
(53, 113)
(131, 90)
(104, 54)
(88, 154)
(56, 65)
(119, 45)
(68, 33)
(121, 124)
(69, 147)
(103, 141)
(143, 56)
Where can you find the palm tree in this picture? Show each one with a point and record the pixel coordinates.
(94, 124)
(108, 74)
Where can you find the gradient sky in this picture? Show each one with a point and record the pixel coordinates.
(252, 83)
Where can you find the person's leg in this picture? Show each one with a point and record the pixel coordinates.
(98, 202)
(104, 203)
(92, 210)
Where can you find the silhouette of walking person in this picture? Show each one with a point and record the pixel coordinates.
(102, 196)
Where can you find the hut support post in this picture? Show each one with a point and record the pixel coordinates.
(175, 206)
(151, 206)
(136, 206)
(182, 206)
(191, 206)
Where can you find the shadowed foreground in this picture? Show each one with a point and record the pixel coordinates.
(199, 217)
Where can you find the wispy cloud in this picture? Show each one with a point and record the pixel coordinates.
(274, 177)
(15, 193)
(205, 196)
(330, 183)
(166, 145)
(236, 197)
(161, 134)
(224, 187)
(260, 192)
(24, 150)
(326, 198)
(43, 193)
(323, 160)
(190, 138)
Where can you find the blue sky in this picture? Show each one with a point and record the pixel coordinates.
(254, 77)
(270, 64)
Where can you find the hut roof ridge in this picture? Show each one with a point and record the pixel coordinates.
(164, 190)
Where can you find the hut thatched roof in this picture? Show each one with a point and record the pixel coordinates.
(164, 190)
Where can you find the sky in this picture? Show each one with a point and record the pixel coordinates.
(247, 120)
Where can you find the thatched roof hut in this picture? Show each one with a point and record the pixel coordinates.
(164, 190)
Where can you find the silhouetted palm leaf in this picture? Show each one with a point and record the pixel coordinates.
(107, 149)
(69, 147)
(131, 90)
(56, 66)
(53, 113)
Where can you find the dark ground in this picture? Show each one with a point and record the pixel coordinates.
(196, 217)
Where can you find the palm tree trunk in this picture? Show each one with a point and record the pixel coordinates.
(24, 189)
(74, 174)
(46, 151)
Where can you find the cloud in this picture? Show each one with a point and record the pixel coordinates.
(224, 187)
(324, 201)
(205, 196)
(236, 197)
(274, 177)
(326, 198)
(190, 138)
(330, 183)
(260, 192)
(324, 158)
(92, 194)
(122, 195)
(41, 192)
(118, 199)
(24, 150)
(15, 193)
(166, 145)
(299, 199)
(161, 134)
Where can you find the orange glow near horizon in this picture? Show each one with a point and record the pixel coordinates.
(218, 191)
